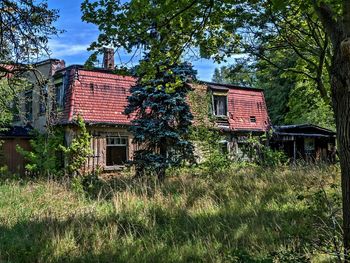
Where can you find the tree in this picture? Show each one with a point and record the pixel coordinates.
(242, 72)
(25, 27)
(220, 28)
(162, 121)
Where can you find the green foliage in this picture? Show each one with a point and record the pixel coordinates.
(9, 108)
(47, 154)
(257, 151)
(79, 149)
(88, 185)
(306, 106)
(204, 133)
(45, 157)
(241, 72)
(162, 120)
(240, 215)
(26, 29)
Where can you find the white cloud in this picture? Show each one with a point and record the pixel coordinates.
(59, 49)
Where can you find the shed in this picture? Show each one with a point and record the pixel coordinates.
(305, 141)
(9, 156)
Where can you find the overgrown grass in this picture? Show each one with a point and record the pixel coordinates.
(237, 215)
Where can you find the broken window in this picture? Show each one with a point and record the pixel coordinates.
(220, 104)
(116, 153)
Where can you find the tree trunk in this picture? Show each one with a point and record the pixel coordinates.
(340, 79)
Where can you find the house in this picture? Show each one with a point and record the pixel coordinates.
(239, 112)
(99, 96)
(305, 141)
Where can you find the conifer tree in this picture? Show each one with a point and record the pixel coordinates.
(163, 119)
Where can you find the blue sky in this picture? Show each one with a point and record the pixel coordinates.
(72, 44)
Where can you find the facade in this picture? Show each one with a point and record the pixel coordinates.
(99, 96)
(239, 112)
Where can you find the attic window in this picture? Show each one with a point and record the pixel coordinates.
(59, 95)
(220, 104)
(253, 119)
(116, 153)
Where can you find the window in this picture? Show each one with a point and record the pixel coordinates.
(29, 105)
(309, 146)
(59, 95)
(220, 105)
(116, 153)
(253, 119)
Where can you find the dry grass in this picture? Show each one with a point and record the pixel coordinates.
(238, 215)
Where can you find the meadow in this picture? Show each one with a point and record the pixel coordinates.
(236, 214)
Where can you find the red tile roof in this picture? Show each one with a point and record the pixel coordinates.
(244, 104)
(101, 96)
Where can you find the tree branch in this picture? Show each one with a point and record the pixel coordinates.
(328, 20)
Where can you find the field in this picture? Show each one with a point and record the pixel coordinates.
(240, 214)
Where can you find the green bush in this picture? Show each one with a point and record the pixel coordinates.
(257, 150)
(76, 153)
(45, 157)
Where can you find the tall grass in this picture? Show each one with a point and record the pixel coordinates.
(236, 215)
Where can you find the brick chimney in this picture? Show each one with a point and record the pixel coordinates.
(108, 58)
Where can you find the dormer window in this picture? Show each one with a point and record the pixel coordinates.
(220, 104)
(59, 94)
(253, 119)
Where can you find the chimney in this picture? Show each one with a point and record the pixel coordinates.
(108, 58)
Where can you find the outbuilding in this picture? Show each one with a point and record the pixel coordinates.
(309, 142)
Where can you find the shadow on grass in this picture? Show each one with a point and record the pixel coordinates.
(226, 236)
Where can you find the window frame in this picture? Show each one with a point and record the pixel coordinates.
(59, 93)
(220, 95)
(120, 144)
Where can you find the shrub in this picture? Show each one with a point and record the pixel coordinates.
(45, 157)
(76, 153)
(257, 150)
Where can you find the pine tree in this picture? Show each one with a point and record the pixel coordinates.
(163, 119)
